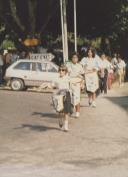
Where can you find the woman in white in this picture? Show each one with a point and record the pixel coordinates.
(75, 71)
(90, 66)
(121, 70)
(63, 85)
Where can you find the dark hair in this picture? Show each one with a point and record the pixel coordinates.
(74, 53)
(103, 53)
(92, 50)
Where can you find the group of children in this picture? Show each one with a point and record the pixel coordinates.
(92, 71)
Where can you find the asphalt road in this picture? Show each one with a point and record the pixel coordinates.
(31, 144)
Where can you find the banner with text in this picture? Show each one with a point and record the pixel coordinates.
(44, 56)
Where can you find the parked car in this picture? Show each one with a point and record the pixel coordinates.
(24, 73)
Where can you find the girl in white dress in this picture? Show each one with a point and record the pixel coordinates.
(90, 66)
(75, 72)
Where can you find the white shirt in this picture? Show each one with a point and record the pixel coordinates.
(105, 64)
(89, 63)
(114, 61)
(75, 70)
(63, 83)
(121, 64)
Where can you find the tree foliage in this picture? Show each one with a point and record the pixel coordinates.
(21, 18)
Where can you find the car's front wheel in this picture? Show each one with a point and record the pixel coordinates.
(17, 84)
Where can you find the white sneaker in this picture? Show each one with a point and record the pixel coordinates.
(93, 104)
(77, 114)
(66, 126)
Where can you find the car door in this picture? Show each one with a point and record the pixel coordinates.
(33, 81)
(31, 74)
(39, 73)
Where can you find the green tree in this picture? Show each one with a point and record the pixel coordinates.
(12, 12)
(120, 26)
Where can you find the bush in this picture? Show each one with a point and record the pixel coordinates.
(7, 44)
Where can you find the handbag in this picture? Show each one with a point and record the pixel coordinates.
(58, 102)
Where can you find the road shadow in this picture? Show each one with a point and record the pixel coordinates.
(121, 101)
(39, 128)
(98, 162)
(46, 115)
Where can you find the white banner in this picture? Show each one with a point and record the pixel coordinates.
(42, 56)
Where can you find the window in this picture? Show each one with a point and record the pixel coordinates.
(23, 66)
(33, 66)
(51, 68)
(43, 66)
(39, 67)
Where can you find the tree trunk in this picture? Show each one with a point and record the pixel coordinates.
(15, 16)
(32, 5)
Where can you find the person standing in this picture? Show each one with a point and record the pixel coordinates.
(104, 68)
(75, 72)
(121, 70)
(7, 62)
(90, 66)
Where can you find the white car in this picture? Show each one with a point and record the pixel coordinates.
(24, 73)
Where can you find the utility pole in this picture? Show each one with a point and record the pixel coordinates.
(64, 29)
(75, 26)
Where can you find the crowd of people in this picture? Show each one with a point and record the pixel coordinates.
(93, 73)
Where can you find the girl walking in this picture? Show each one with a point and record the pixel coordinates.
(90, 66)
(64, 97)
(75, 72)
